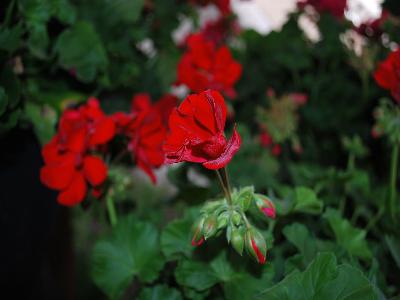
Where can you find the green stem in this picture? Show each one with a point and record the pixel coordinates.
(393, 180)
(351, 162)
(112, 214)
(224, 181)
(375, 218)
(9, 11)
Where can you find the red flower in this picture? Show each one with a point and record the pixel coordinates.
(204, 66)
(267, 142)
(373, 28)
(335, 7)
(197, 132)
(69, 164)
(146, 127)
(388, 74)
(223, 5)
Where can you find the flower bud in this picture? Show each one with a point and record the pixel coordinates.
(265, 205)
(236, 218)
(210, 226)
(223, 220)
(255, 245)
(237, 240)
(198, 238)
(244, 197)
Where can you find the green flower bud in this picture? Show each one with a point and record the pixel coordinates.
(255, 245)
(210, 226)
(244, 197)
(223, 220)
(265, 205)
(236, 218)
(237, 240)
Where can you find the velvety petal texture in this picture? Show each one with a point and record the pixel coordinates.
(197, 132)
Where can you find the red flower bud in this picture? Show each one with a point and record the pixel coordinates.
(198, 237)
(255, 245)
(265, 205)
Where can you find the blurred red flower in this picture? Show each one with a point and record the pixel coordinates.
(204, 66)
(387, 75)
(335, 7)
(267, 142)
(69, 162)
(197, 132)
(374, 28)
(224, 6)
(146, 127)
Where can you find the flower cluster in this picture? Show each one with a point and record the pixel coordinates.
(206, 66)
(146, 128)
(387, 74)
(73, 158)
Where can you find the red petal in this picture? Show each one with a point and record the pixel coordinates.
(141, 102)
(75, 192)
(95, 170)
(58, 176)
(230, 150)
(103, 131)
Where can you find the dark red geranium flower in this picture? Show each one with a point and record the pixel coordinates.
(224, 6)
(373, 28)
(387, 74)
(69, 162)
(146, 127)
(335, 7)
(204, 66)
(197, 132)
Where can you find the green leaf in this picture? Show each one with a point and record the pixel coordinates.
(322, 280)
(10, 38)
(126, 10)
(299, 236)
(44, 120)
(394, 247)
(238, 283)
(176, 239)
(350, 238)
(306, 201)
(160, 292)
(196, 275)
(80, 48)
(131, 250)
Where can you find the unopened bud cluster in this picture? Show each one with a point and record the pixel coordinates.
(218, 216)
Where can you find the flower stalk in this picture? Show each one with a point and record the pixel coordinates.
(223, 178)
(112, 214)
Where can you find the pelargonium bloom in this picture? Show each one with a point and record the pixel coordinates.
(224, 6)
(387, 74)
(335, 7)
(197, 132)
(204, 66)
(146, 127)
(69, 159)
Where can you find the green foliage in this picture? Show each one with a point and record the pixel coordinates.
(350, 238)
(160, 292)
(323, 279)
(131, 250)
